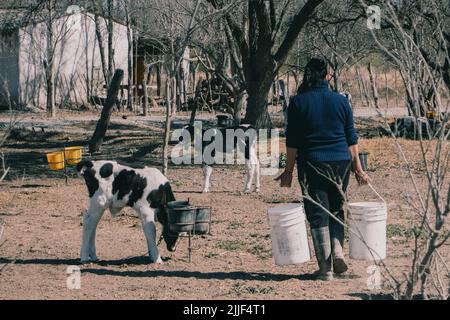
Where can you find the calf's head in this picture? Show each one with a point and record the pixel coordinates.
(86, 170)
(159, 199)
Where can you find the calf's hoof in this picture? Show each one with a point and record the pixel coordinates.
(158, 261)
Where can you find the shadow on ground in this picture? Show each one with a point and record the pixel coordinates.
(90, 268)
(368, 296)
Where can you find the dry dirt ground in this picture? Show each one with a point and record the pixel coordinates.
(42, 215)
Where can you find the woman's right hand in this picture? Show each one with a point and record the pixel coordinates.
(362, 178)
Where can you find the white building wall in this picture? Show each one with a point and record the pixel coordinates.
(9, 69)
(77, 62)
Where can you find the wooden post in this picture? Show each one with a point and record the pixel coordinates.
(103, 123)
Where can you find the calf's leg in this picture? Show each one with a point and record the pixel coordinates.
(258, 176)
(207, 172)
(90, 223)
(147, 216)
(251, 168)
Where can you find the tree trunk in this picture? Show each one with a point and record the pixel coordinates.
(240, 99)
(101, 48)
(363, 86)
(260, 60)
(184, 86)
(194, 77)
(173, 91)
(179, 93)
(185, 72)
(193, 114)
(257, 113)
(374, 85)
(285, 93)
(274, 90)
(145, 104)
(167, 126)
(103, 123)
(130, 64)
(51, 108)
(110, 24)
(50, 77)
(87, 78)
(296, 78)
(149, 80)
(158, 79)
(337, 82)
(286, 96)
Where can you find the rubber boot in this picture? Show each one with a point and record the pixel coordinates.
(322, 248)
(337, 242)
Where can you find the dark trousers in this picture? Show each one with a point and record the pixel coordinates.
(326, 183)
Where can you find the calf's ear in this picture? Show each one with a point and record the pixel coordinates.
(106, 170)
(83, 165)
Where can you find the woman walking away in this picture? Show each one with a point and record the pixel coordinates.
(322, 139)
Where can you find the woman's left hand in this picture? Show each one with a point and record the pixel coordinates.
(286, 179)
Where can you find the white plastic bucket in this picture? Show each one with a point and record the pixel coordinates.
(368, 220)
(285, 212)
(288, 232)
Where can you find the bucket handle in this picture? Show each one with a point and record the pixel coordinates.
(375, 191)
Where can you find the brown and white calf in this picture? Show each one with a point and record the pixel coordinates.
(113, 186)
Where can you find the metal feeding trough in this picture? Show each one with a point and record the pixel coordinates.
(181, 218)
(202, 220)
(187, 220)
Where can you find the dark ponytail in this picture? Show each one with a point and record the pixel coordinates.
(315, 72)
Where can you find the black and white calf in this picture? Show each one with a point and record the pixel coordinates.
(242, 138)
(113, 186)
